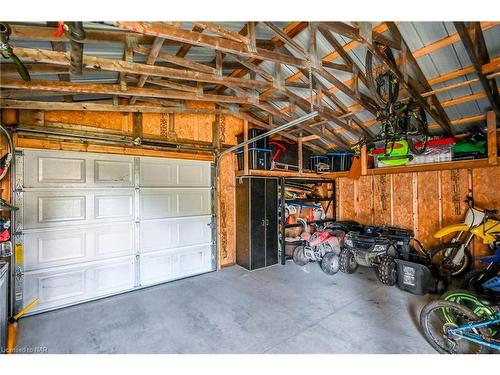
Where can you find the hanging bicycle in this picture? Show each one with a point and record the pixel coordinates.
(404, 126)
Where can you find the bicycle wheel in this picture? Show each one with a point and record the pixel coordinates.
(436, 328)
(473, 303)
(383, 85)
(417, 130)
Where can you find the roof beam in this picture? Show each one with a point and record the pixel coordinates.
(113, 89)
(97, 63)
(180, 61)
(198, 39)
(89, 106)
(153, 54)
(222, 31)
(354, 34)
(286, 39)
(493, 96)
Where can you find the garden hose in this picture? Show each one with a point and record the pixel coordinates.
(7, 52)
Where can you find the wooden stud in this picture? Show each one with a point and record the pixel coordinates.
(491, 122)
(364, 160)
(300, 154)
(245, 148)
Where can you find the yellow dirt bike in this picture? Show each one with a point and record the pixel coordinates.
(455, 256)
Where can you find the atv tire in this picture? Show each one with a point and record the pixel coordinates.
(387, 271)
(299, 256)
(330, 263)
(347, 262)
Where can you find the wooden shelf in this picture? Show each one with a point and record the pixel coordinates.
(463, 164)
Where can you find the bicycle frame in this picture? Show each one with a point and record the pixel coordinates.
(461, 332)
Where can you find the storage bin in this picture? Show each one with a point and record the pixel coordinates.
(438, 150)
(261, 143)
(315, 159)
(340, 161)
(258, 158)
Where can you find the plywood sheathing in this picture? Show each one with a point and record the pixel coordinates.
(421, 201)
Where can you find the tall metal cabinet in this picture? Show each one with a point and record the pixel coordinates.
(256, 222)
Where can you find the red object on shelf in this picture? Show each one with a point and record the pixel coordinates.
(438, 142)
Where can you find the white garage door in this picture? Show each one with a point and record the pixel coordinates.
(95, 225)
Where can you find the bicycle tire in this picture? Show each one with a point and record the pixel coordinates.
(371, 80)
(416, 134)
(440, 304)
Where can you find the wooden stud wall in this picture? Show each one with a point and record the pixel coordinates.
(421, 201)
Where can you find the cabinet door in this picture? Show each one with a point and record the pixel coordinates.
(258, 223)
(271, 222)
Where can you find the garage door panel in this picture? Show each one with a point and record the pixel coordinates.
(167, 265)
(69, 169)
(174, 172)
(114, 172)
(114, 206)
(164, 234)
(72, 284)
(164, 203)
(46, 209)
(112, 278)
(53, 209)
(114, 240)
(52, 170)
(58, 247)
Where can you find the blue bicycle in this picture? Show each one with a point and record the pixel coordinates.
(452, 328)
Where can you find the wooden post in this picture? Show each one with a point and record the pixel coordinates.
(299, 147)
(137, 125)
(364, 160)
(491, 122)
(245, 148)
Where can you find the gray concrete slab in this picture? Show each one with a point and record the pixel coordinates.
(280, 309)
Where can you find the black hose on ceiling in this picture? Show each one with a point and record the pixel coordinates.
(6, 51)
(76, 36)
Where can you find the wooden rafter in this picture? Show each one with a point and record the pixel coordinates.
(224, 32)
(491, 93)
(201, 40)
(153, 54)
(176, 60)
(286, 39)
(113, 89)
(97, 63)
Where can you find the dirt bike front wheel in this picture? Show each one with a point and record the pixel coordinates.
(444, 256)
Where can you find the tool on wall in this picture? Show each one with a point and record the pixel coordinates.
(7, 52)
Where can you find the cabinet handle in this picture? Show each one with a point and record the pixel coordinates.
(263, 223)
(267, 222)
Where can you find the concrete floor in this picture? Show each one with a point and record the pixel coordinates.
(280, 309)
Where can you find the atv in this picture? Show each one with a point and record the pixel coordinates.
(376, 247)
(324, 245)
